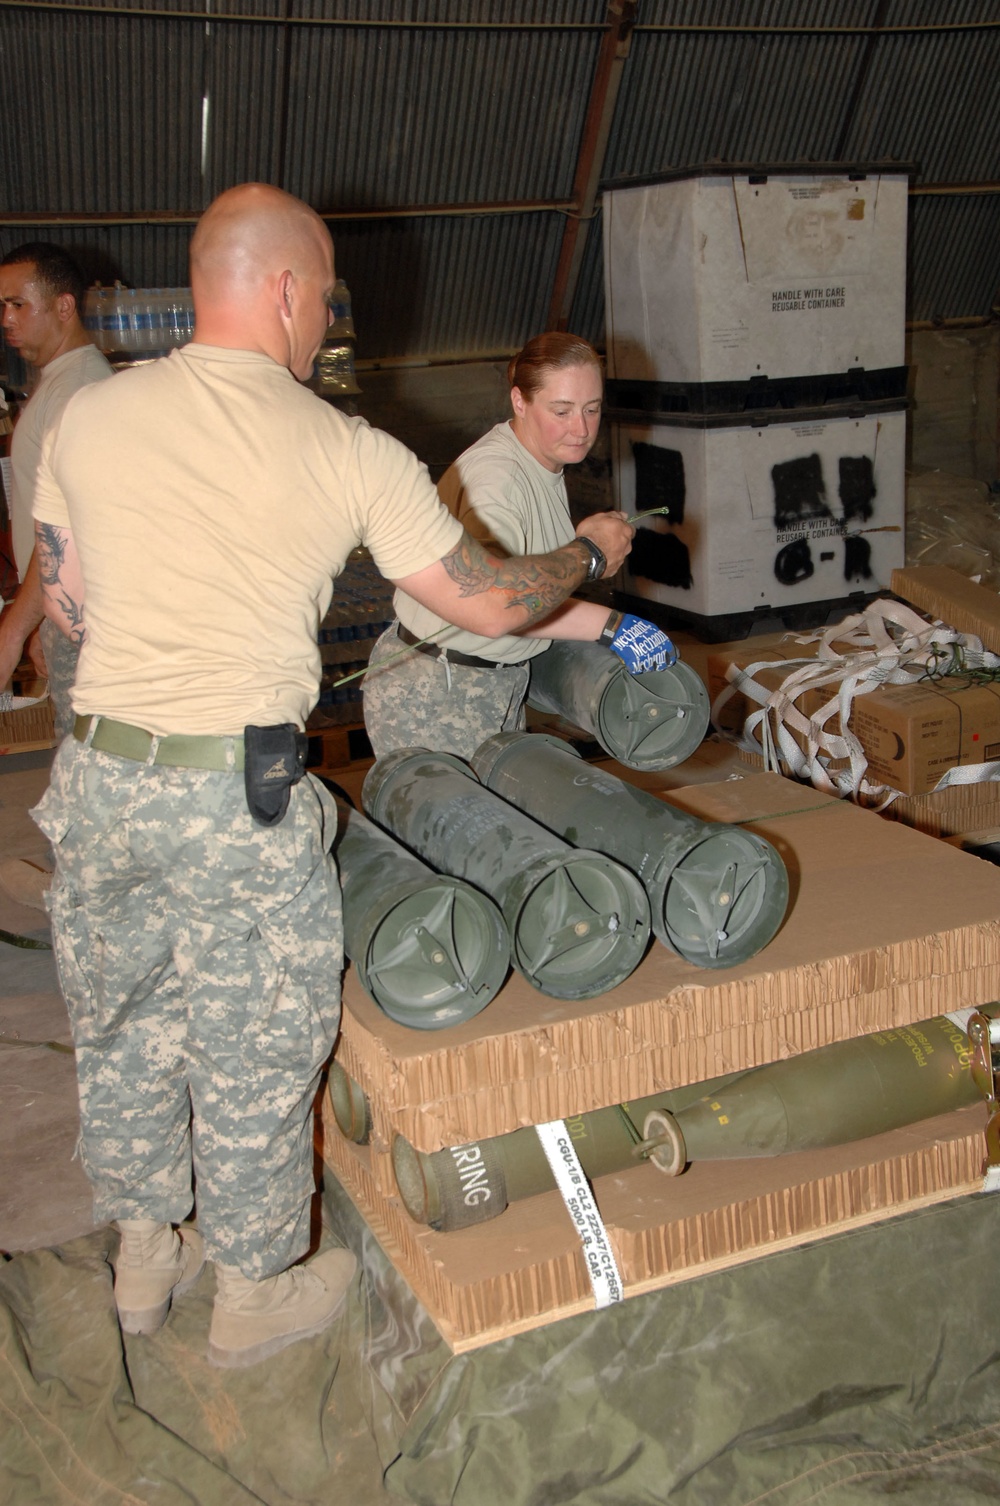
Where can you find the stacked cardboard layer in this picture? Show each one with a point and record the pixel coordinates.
(524, 1270)
(886, 927)
(27, 727)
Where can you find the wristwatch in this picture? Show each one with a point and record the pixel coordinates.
(598, 560)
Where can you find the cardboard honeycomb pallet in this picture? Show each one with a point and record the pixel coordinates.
(526, 1268)
(886, 927)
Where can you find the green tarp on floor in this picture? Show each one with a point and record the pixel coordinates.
(862, 1367)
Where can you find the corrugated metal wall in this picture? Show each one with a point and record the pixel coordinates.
(427, 105)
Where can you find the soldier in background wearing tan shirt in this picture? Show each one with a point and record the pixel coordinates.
(41, 295)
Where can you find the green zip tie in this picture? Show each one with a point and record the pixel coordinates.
(25, 941)
(14, 1040)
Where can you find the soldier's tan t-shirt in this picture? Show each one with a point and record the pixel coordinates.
(503, 496)
(212, 501)
(57, 383)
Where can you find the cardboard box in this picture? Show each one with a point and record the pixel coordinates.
(952, 599)
(803, 509)
(28, 727)
(712, 275)
(885, 927)
(951, 812)
(911, 734)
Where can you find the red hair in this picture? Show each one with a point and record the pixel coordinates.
(529, 369)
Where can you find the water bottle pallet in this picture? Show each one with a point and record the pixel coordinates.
(336, 744)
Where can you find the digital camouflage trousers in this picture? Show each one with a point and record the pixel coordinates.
(424, 702)
(200, 956)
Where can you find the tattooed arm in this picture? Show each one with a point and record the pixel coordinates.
(19, 619)
(62, 582)
(490, 596)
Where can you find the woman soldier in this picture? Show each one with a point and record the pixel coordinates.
(452, 692)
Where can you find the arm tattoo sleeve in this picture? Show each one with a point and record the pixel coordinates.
(537, 583)
(50, 545)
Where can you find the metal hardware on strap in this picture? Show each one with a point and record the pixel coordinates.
(224, 755)
(441, 651)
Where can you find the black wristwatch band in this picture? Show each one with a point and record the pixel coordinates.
(598, 560)
(610, 628)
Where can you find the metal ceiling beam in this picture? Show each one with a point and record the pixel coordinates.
(590, 162)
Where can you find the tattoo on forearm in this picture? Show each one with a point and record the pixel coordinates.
(72, 623)
(50, 548)
(537, 583)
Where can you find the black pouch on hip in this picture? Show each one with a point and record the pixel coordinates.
(274, 758)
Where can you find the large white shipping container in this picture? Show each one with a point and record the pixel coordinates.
(809, 509)
(720, 278)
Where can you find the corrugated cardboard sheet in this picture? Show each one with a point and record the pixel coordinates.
(948, 596)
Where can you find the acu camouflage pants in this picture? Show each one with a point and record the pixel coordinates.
(200, 957)
(423, 702)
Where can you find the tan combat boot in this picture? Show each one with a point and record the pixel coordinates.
(155, 1264)
(254, 1319)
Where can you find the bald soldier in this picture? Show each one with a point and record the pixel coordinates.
(196, 911)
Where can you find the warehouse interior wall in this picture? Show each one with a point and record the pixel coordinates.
(457, 151)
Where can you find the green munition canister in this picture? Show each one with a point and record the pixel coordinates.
(350, 1106)
(469, 1184)
(578, 922)
(648, 721)
(717, 893)
(429, 949)
(831, 1096)
(839, 1093)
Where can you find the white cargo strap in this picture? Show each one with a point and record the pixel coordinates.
(887, 644)
(564, 1163)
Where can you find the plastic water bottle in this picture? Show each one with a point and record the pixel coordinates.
(342, 327)
(115, 318)
(93, 314)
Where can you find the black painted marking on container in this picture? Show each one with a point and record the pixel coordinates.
(799, 491)
(857, 487)
(794, 563)
(662, 557)
(659, 478)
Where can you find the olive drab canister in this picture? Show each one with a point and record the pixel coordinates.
(350, 1106)
(827, 1097)
(717, 893)
(469, 1184)
(830, 1096)
(429, 949)
(578, 921)
(649, 721)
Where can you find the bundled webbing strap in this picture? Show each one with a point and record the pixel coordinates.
(886, 644)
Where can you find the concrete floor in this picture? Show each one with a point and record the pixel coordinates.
(44, 1194)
